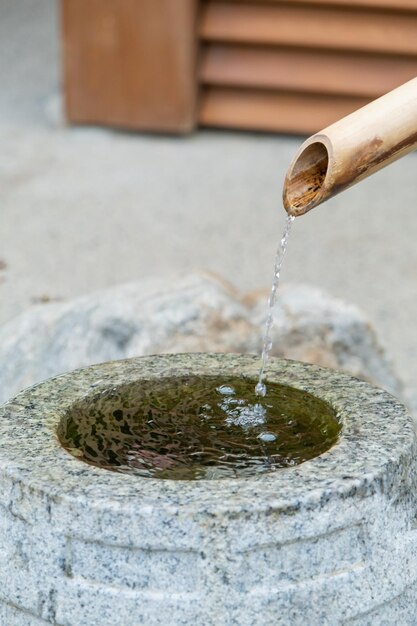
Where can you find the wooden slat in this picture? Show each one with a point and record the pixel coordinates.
(397, 5)
(130, 63)
(352, 74)
(272, 111)
(307, 26)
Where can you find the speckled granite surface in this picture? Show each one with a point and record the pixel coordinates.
(332, 541)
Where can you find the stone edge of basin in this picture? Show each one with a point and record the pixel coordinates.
(377, 442)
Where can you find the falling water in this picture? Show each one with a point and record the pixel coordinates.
(260, 388)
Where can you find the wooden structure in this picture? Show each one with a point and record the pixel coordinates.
(130, 63)
(289, 66)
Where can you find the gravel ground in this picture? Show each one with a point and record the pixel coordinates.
(84, 208)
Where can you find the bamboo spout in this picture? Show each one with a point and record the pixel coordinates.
(352, 149)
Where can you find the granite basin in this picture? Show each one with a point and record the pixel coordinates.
(331, 541)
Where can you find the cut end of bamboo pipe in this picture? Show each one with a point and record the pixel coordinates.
(352, 149)
(304, 183)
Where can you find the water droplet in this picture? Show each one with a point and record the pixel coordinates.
(260, 389)
(225, 390)
(267, 437)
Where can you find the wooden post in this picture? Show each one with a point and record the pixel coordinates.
(131, 63)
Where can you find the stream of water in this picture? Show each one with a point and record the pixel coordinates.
(260, 388)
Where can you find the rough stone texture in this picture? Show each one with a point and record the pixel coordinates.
(194, 313)
(330, 542)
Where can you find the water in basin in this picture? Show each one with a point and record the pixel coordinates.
(191, 428)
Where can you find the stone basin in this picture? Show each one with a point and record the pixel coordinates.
(330, 541)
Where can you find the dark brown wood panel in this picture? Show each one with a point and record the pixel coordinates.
(272, 111)
(309, 26)
(130, 63)
(352, 74)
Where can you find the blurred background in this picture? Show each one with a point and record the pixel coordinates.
(140, 138)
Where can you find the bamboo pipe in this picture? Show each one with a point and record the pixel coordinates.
(353, 148)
